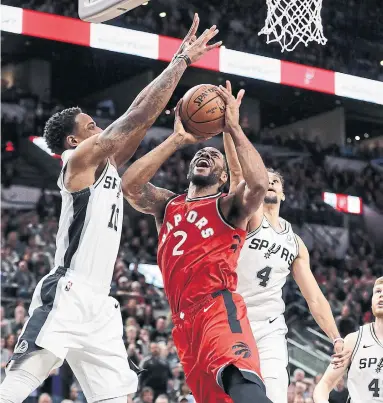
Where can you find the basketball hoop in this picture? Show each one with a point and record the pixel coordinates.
(290, 22)
(104, 10)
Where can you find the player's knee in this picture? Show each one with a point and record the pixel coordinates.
(242, 390)
(17, 386)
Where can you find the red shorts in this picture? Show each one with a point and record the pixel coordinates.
(211, 335)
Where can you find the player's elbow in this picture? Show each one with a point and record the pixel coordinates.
(130, 189)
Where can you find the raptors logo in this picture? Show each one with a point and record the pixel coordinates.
(242, 349)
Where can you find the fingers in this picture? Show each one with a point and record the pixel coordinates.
(193, 29)
(225, 94)
(215, 45)
(192, 39)
(240, 96)
(177, 109)
(228, 86)
(209, 35)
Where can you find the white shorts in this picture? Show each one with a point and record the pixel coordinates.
(84, 326)
(270, 336)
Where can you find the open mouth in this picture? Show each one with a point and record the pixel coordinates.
(202, 163)
(271, 190)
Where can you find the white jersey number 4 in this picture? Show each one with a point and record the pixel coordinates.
(374, 387)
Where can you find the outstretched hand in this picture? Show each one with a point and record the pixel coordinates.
(196, 47)
(232, 105)
(187, 138)
(341, 356)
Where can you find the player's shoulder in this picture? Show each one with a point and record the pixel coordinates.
(352, 340)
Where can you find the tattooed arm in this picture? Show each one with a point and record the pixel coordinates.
(137, 189)
(123, 136)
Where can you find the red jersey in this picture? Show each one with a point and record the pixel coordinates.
(197, 250)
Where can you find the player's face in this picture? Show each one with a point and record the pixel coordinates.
(274, 193)
(85, 128)
(377, 301)
(207, 168)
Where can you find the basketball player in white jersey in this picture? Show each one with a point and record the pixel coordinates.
(271, 251)
(365, 366)
(71, 315)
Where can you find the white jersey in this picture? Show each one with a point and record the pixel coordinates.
(89, 233)
(263, 267)
(365, 375)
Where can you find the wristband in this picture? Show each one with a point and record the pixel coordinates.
(337, 339)
(186, 58)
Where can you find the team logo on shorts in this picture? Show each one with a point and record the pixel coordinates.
(22, 347)
(68, 286)
(242, 349)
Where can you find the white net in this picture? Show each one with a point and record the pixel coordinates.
(290, 22)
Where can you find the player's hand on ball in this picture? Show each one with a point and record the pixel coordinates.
(232, 105)
(341, 356)
(179, 130)
(195, 47)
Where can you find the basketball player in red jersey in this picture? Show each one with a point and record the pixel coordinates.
(200, 236)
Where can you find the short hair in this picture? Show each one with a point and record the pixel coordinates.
(58, 127)
(273, 171)
(378, 281)
(146, 389)
(162, 397)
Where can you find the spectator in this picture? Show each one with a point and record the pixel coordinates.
(24, 280)
(340, 393)
(45, 398)
(160, 333)
(146, 395)
(157, 372)
(20, 318)
(5, 324)
(5, 357)
(162, 399)
(345, 322)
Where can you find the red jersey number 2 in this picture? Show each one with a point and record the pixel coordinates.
(182, 236)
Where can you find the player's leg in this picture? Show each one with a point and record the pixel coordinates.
(26, 374)
(102, 366)
(227, 346)
(242, 390)
(272, 348)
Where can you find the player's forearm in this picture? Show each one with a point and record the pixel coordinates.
(321, 393)
(143, 112)
(253, 169)
(321, 311)
(142, 171)
(232, 160)
(157, 94)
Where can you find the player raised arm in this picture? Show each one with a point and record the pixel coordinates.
(333, 374)
(247, 197)
(317, 302)
(136, 186)
(123, 136)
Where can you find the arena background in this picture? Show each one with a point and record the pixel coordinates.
(315, 114)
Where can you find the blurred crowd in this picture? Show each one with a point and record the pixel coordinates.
(353, 28)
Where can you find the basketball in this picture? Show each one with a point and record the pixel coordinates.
(203, 111)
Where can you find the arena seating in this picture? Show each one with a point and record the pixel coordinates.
(353, 27)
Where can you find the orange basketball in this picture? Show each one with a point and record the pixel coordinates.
(203, 111)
